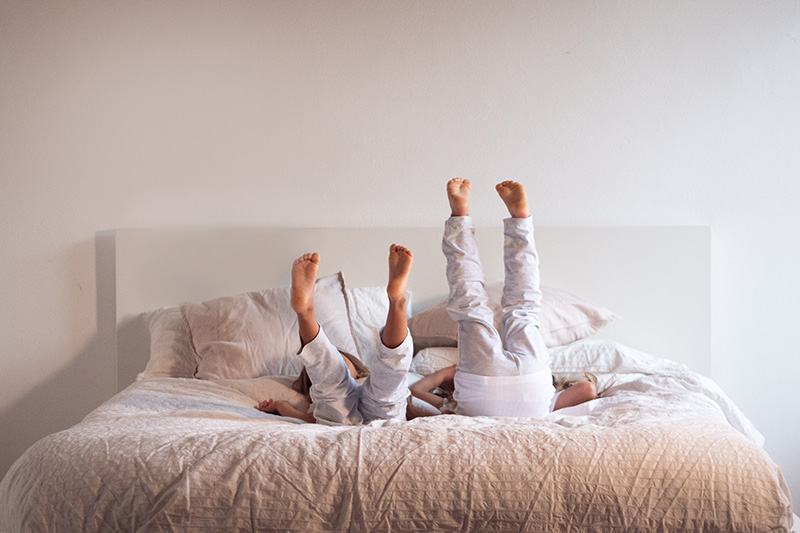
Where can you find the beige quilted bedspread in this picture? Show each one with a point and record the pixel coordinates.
(659, 453)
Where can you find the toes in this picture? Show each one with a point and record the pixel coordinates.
(311, 256)
(399, 249)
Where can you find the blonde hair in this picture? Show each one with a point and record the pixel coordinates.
(563, 383)
(303, 383)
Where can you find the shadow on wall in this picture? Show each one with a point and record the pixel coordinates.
(68, 396)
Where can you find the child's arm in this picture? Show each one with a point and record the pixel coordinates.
(284, 408)
(416, 411)
(423, 389)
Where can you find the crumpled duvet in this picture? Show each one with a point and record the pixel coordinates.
(665, 450)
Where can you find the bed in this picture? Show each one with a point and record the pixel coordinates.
(664, 449)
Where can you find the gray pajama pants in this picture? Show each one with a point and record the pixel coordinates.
(339, 400)
(500, 375)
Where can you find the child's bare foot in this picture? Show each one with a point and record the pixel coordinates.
(513, 195)
(458, 195)
(304, 276)
(400, 259)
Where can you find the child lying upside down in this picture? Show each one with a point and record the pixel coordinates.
(329, 376)
(496, 375)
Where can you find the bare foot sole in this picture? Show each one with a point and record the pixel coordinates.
(304, 276)
(400, 259)
(513, 195)
(458, 191)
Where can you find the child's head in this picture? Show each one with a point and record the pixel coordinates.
(563, 383)
(357, 369)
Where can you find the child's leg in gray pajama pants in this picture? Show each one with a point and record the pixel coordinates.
(522, 296)
(334, 392)
(385, 391)
(480, 347)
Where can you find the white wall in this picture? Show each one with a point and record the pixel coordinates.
(355, 113)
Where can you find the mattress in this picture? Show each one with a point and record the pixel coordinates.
(664, 450)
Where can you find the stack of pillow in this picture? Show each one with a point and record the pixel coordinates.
(564, 318)
(255, 334)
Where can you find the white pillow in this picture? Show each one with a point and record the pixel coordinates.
(603, 356)
(429, 360)
(368, 307)
(564, 318)
(599, 356)
(171, 353)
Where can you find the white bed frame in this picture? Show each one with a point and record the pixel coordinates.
(656, 278)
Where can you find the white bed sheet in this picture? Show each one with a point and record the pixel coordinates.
(659, 451)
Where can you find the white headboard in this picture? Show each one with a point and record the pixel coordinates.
(656, 278)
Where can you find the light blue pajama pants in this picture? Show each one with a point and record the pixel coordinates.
(488, 359)
(339, 400)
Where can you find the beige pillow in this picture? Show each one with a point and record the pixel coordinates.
(564, 318)
(171, 353)
(256, 334)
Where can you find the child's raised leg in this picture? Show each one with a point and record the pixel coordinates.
(304, 279)
(384, 393)
(396, 329)
(333, 391)
(522, 296)
(480, 348)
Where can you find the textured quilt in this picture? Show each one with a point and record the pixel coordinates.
(664, 450)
